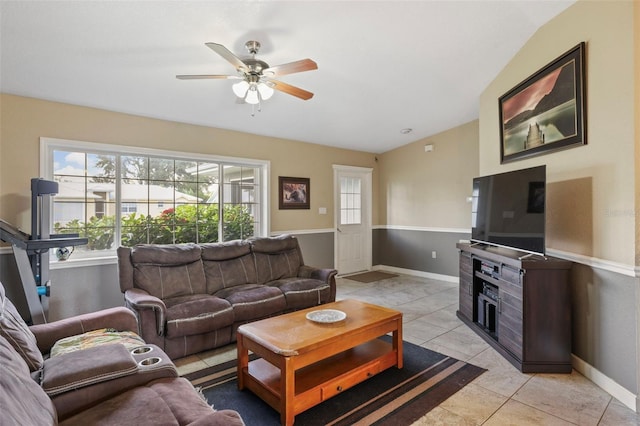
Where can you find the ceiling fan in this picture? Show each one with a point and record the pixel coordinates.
(257, 77)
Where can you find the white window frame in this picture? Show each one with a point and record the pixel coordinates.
(49, 145)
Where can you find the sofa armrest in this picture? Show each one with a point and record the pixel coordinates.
(317, 273)
(139, 300)
(120, 318)
(86, 367)
(80, 379)
(323, 274)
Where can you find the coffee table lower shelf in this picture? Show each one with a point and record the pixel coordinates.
(324, 379)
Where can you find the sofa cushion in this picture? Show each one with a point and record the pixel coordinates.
(15, 330)
(168, 270)
(22, 400)
(303, 292)
(196, 314)
(226, 250)
(253, 301)
(165, 254)
(276, 257)
(275, 266)
(277, 244)
(227, 265)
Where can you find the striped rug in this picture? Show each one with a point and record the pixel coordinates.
(393, 397)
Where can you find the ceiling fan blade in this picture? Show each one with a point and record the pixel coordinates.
(291, 67)
(208, 76)
(228, 55)
(291, 90)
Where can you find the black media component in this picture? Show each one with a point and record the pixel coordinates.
(487, 308)
(490, 269)
(491, 291)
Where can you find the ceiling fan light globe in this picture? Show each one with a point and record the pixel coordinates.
(265, 91)
(252, 97)
(240, 88)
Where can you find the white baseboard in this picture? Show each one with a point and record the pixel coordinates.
(607, 384)
(415, 273)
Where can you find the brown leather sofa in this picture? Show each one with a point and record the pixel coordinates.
(109, 384)
(192, 297)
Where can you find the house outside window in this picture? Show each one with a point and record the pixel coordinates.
(124, 197)
(128, 208)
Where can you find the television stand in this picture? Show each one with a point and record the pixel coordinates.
(521, 306)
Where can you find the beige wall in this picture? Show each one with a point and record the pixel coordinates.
(590, 209)
(429, 189)
(25, 120)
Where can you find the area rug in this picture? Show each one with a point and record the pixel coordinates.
(393, 397)
(371, 276)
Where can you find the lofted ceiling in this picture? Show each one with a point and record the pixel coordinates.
(383, 66)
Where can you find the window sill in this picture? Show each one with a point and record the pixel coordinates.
(81, 263)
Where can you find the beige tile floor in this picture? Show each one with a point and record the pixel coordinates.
(500, 396)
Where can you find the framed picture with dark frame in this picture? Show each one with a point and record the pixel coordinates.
(294, 193)
(546, 112)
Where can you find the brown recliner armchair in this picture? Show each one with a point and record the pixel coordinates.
(119, 381)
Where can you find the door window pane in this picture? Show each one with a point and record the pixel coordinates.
(350, 201)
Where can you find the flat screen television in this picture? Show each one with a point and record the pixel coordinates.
(508, 210)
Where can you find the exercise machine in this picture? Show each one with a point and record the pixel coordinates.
(30, 251)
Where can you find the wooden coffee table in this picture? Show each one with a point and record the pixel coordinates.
(304, 363)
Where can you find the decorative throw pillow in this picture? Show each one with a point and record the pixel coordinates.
(94, 338)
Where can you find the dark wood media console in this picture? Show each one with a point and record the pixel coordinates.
(520, 305)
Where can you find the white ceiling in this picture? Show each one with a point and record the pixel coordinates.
(382, 65)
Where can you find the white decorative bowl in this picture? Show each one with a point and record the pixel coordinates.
(326, 316)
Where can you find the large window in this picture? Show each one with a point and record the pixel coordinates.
(130, 196)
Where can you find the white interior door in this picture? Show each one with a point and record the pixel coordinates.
(353, 219)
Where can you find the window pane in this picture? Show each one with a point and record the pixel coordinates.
(71, 188)
(132, 235)
(161, 169)
(100, 237)
(237, 222)
(101, 166)
(160, 234)
(185, 234)
(208, 232)
(209, 172)
(133, 168)
(185, 192)
(69, 163)
(68, 214)
(356, 185)
(207, 213)
(186, 171)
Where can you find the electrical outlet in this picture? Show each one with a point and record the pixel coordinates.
(433, 254)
